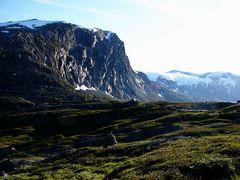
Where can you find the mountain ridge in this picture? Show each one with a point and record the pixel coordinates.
(210, 86)
(56, 59)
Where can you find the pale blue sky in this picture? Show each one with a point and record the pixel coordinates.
(159, 35)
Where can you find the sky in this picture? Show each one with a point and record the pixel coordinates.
(159, 35)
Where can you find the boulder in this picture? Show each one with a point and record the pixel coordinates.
(111, 139)
(4, 152)
(101, 140)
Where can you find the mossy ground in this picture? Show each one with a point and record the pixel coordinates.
(155, 140)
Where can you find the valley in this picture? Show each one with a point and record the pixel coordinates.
(159, 140)
(72, 107)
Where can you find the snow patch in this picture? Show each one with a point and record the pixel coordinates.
(175, 90)
(31, 24)
(138, 80)
(13, 27)
(159, 95)
(92, 89)
(5, 31)
(84, 88)
(215, 74)
(144, 92)
(108, 94)
(186, 79)
(94, 41)
(227, 82)
(109, 35)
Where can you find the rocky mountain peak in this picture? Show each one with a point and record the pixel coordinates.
(91, 58)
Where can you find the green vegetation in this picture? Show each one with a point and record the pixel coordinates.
(155, 140)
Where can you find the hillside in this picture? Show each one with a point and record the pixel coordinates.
(155, 140)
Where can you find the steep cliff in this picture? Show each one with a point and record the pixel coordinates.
(38, 57)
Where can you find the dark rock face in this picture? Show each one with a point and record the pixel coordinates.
(58, 55)
(102, 140)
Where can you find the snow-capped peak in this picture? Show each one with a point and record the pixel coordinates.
(191, 79)
(182, 78)
(32, 23)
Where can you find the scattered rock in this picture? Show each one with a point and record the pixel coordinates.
(4, 175)
(214, 125)
(4, 152)
(63, 154)
(111, 139)
(101, 140)
(227, 132)
(132, 102)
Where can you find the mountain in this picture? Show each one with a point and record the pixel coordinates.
(42, 59)
(211, 86)
(152, 76)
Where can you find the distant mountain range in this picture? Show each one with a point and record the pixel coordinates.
(211, 86)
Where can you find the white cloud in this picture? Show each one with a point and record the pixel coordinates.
(202, 36)
(45, 1)
(95, 11)
(190, 35)
(159, 5)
